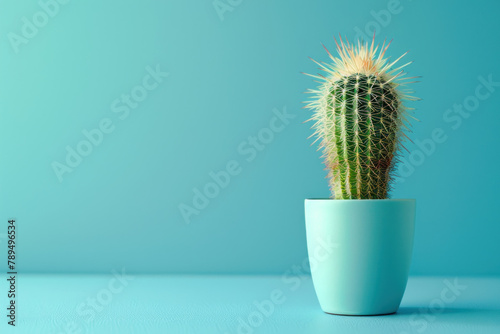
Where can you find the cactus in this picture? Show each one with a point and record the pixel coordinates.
(360, 119)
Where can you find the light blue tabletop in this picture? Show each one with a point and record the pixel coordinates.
(122, 303)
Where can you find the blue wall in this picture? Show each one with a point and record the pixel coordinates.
(178, 90)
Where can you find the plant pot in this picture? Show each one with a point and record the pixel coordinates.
(360, 253)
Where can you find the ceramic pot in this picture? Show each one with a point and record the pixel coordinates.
(360, 253)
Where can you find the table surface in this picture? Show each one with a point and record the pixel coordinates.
(121, 303)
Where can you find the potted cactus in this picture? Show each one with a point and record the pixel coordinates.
(360, 121)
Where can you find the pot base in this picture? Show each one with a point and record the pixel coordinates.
(360, 315)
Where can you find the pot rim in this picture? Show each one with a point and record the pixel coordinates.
(363, 200)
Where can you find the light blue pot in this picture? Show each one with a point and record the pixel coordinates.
(360, 253)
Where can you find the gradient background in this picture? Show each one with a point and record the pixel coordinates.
(120, 206)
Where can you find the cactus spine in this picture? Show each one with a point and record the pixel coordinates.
(359, 118)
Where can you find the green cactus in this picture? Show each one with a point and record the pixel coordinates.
(359, 119)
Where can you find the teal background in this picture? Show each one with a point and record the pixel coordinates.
(120, 206)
